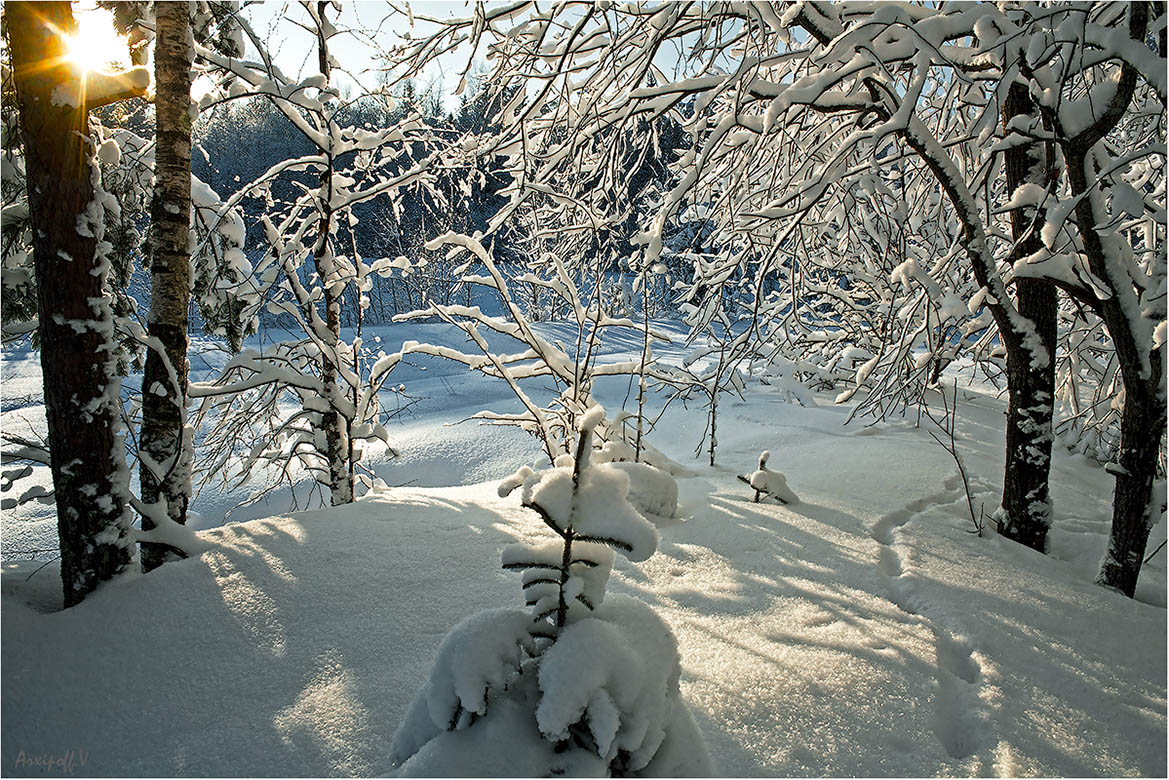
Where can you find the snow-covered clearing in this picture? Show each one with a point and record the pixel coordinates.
(862, 631)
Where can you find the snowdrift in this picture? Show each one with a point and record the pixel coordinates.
(814, 641)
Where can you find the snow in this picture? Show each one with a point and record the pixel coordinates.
(109, 152)
(652, 492)
(95, 88)
(166, 531)
(773, 483)
(862, 631)
(598, 510)
(590, 419)
(1026, 195)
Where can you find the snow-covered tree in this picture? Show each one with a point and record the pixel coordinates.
(75, 324)
(1099, 85)
(791, 102)
(578, 683)
(333, 380)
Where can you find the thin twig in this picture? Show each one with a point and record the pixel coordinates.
(43, 565)
(948, 423)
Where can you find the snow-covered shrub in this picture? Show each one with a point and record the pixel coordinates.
(576, 684)
(307, 407)
(573, 369)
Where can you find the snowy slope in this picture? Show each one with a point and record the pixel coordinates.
(292, 648)
(860, 632)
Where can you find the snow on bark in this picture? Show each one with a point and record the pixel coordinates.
(76, 323)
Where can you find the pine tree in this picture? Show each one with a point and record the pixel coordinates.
(75, 322)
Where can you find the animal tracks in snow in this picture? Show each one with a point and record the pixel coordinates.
(960, 722)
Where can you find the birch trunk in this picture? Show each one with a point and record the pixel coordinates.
(337, 450)
(166, 468)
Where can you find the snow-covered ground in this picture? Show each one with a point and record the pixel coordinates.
(862, 631)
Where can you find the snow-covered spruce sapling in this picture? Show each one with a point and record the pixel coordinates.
(575, 683)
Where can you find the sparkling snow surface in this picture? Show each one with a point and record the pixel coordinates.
(862, 631)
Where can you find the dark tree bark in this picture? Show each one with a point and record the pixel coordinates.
(1134, 507)
(76, 326)
(1142, 424)
(1135, 510)
(1026, 500)
(165, 471)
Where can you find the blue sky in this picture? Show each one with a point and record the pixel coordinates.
(295, 50)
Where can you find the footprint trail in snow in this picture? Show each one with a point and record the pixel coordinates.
(960, 720)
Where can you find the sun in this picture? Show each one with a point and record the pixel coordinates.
(97, 45)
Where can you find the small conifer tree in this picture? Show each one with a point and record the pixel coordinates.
(574, 683)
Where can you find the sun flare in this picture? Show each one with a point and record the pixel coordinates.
(97, 46)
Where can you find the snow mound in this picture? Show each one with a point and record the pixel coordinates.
(652, 492)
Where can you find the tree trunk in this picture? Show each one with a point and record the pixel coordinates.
(336, 439)
(1026, 500)
(337, 448)
(166, 467)
(1025, 332)
(1135, 510)
(1142, 424)
(76, 326)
